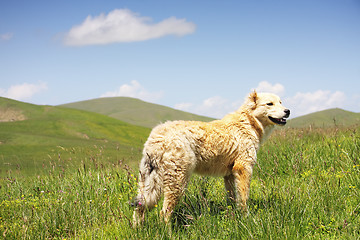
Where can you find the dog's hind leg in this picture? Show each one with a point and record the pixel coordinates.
(175, 182)
(230, 186)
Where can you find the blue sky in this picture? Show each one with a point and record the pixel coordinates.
(198, 56)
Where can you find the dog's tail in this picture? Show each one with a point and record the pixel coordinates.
(150, 187)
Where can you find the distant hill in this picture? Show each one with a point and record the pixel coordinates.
(32, 135)
(326, 118)
(134, 111)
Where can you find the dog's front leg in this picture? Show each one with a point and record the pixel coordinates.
(242, 176)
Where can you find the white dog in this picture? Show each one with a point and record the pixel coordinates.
(226, 147)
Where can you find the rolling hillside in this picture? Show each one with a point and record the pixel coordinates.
(31, 136)
(34, 137)
(134, 111)
(137, 112)
(326, 118)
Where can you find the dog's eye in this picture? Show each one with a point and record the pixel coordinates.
(270, 104)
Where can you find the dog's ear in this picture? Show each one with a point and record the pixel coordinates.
(251, 100)
(254, 96)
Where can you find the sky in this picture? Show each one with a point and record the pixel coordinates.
(203, 57)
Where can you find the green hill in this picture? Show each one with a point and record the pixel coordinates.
(326, 118)
(33, 136)
(134, 111)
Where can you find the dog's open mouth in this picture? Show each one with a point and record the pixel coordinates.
(279, 121)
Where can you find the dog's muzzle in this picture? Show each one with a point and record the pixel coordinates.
(281, 121)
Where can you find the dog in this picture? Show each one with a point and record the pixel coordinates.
(226, 148)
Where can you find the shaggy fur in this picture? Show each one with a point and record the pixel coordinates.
(226, 147)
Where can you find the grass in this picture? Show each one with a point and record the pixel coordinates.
(30, 145)
(306, 185)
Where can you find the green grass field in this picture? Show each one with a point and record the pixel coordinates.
(63, 138)
(306, 185)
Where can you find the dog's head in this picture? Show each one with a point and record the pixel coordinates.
(267, 108)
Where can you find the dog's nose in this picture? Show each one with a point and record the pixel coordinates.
(287, 112)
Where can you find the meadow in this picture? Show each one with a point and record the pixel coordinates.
(306, 185)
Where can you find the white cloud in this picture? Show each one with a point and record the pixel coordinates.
(265, 86)
(123, 25)
(304, 103)
(215, 101)
(216, 107)
(23, 91)
(6, 36)
(185, 106)
(134, 90)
